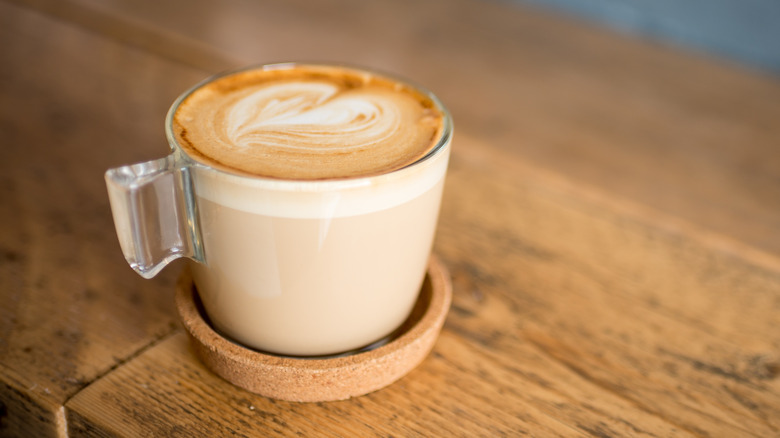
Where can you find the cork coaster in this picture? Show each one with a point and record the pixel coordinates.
(318, 379)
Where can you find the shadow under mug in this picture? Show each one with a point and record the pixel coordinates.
(291, 267)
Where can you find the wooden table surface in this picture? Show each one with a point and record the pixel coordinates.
(611, 221)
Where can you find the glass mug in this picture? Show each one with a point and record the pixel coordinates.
(291, 267)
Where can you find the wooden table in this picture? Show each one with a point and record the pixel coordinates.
(611, 221)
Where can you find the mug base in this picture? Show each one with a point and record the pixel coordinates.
(316, 379)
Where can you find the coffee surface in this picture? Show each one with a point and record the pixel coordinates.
(307, 123)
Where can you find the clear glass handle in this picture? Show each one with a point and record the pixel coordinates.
(154, 214)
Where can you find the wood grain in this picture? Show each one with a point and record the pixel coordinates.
(73, 105)
(570, 317)
(610, 221)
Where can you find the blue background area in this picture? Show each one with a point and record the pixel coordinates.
(747, 31)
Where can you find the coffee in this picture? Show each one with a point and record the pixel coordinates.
(324, 248)
(314, 285)
(306, 196)
(307, 122)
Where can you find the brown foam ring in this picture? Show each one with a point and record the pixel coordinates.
(321, 379)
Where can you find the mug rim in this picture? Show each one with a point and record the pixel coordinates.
(187, 160)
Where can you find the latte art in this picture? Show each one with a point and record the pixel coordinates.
(307, 123)
(312, 117)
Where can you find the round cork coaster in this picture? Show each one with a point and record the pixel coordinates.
(321, 379)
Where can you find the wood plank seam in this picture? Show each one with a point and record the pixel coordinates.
(62, 413)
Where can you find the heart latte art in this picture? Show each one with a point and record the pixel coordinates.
(307, 122)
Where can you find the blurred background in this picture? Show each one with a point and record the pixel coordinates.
(638, 97)
(747, 31)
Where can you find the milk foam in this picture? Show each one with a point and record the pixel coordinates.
(321, 199)
(307, 123)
